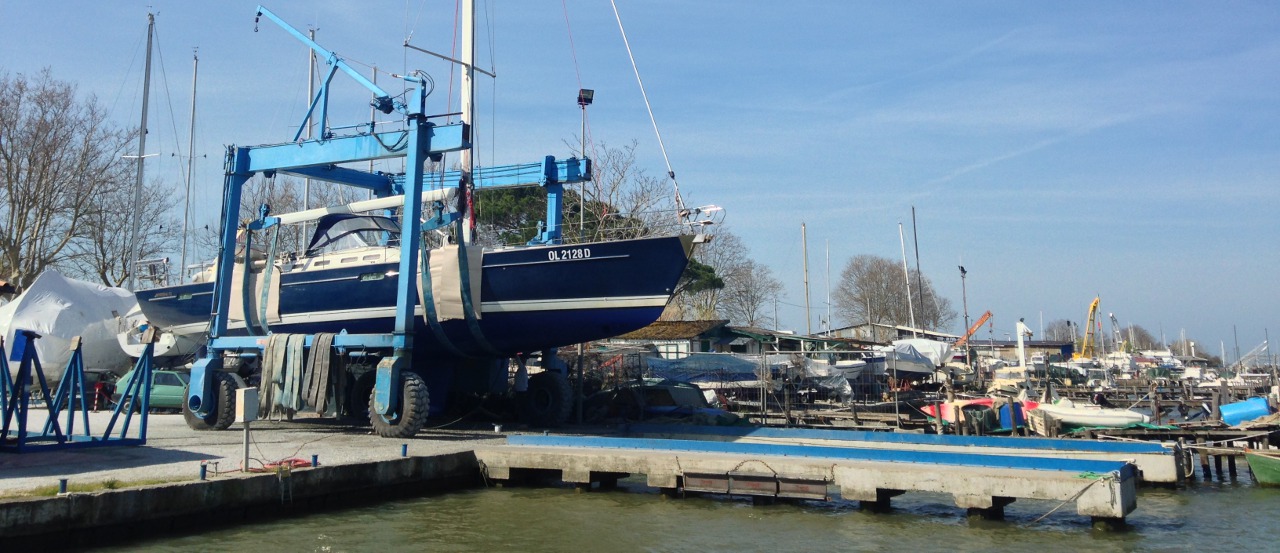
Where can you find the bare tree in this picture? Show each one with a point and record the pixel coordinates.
(1142, 338)
(103, 252)
(622, 201)
(724, 254)
(749, 288)
(58, 159)
(1059, 330)
(873, 289)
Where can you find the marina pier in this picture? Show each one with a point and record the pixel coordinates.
(982, 484)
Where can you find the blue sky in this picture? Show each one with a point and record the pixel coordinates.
(1061, 150)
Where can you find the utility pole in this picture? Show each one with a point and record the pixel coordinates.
(964, 295)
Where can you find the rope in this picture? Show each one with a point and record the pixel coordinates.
(1097, 478)
(739, 465)
(1206, 445)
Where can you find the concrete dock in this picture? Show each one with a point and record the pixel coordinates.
(1156, 463)
(154, 488)
(355, 467)
(982, 484)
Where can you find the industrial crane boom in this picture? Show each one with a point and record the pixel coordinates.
(1087, 349)
(973, 329)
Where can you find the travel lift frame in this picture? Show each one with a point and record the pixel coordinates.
(319, 159)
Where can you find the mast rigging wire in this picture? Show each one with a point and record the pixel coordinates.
(680, 211)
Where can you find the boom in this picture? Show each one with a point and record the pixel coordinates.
(973, 329)
(1088, 349)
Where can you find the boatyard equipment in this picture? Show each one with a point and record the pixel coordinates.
(17, 397)
(973, 329)
(408, 316)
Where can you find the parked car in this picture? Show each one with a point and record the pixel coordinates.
(168, 388)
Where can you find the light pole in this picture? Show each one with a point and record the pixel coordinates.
(585, 96)
(964, 296)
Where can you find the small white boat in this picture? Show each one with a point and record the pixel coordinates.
(1071, 414)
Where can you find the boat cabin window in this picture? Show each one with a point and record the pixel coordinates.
(342, 231)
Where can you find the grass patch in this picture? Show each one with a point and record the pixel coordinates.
(85, 487)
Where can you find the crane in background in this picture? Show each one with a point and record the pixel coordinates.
(1088, 349)
(1118, 334)
(973, 329)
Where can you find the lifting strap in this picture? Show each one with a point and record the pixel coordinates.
(319, 369)
(473, 324)
(293, 400)
(264, 297)
(428, 300)
(245, 289)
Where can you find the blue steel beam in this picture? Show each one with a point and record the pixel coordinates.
(380, 184)
(382, 100)
(564, 171)
(350, 149)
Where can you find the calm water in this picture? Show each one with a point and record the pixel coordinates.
(1206, 517)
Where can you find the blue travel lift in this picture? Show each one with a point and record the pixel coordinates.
(16, 400)
(320, 159)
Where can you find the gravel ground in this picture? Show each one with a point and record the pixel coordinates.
(175, 452)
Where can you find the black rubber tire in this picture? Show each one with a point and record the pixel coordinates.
(224, 405)
(415, 402)
(548, 401)
(358, 390)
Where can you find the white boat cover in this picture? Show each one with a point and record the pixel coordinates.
(905, 358)
(937, 352)
(60, 308)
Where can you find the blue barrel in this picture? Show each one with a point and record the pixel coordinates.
(1247, 410)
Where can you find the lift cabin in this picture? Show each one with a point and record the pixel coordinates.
(243, 333)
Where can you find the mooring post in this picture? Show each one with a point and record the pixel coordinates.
(1204, 459)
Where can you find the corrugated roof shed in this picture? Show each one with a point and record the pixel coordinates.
(673, 330)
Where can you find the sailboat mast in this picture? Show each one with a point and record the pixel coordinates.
(191, 160)
(804, 251)
(142, 150)
(468, 97)
(906, 276)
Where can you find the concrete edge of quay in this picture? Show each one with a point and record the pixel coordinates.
(77, 520)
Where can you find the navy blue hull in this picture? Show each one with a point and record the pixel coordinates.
(531, 298)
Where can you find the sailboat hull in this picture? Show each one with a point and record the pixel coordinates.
(530, 298)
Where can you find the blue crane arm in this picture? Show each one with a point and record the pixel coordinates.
(382, 100)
